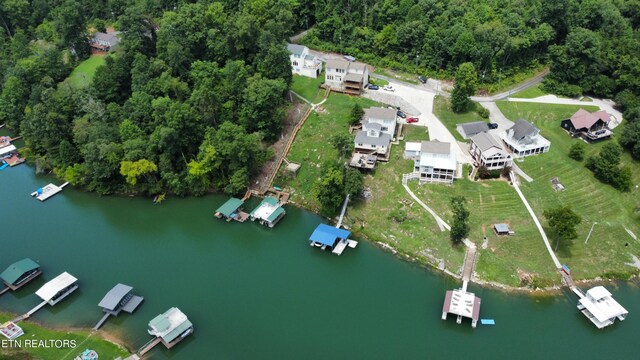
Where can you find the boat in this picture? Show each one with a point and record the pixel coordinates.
(487, 322)
(4, 165)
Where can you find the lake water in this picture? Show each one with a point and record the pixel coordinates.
(258, 293)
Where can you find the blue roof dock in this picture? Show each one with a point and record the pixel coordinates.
(327, 235)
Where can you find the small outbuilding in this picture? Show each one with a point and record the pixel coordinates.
(88, 354)
(502, 229)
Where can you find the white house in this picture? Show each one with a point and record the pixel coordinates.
(488, 152)
(524, 139)
(436, 161)
(384, 116)
(346, 76)
(302, 63)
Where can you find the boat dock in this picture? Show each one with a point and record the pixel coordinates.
(118, 299)
(19, 274)
(232, 210)
(460, 302)
(148, 346)
(48, 191)
(269, 212)
(326, 236)
(169, 329)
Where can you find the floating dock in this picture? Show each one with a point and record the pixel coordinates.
(118, 299)
(19, 274)
(599, 306)
(48, 191)
(269, 212)
(232, 210)
(325, 236)
(169, 329)
(52, 293)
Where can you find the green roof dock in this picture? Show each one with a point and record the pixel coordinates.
(19, 274)
(168, 328)
(232, 210)
(269, 212)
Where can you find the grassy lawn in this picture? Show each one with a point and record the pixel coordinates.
(402, 76)
(307, 87)
(82, 75)
(83, 339)
(378, 82)
(418, 236)
(530, 93)
(442, 110)
(609, 246)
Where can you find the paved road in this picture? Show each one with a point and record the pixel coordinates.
(525, 85)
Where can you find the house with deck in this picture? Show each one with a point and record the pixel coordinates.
(488, 152)
(374, 140)
(435, 162)
(590, 126)
(104, 41)
(599, 307)
(467, 130)
(20, 273)
(302, 63)
(523, 139)
(269, 212)
(350, 77)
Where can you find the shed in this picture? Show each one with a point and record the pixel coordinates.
(293, 168)
(502, 229)
(328, 235)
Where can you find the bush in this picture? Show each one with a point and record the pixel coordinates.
(484, 113)
(576, 152)
(484, 173)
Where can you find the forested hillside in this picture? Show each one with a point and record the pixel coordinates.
(188, 102)
(194, 95)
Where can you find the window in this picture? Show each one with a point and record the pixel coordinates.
(329, 77)
(295, 63)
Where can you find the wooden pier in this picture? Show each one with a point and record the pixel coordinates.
(4, 290)
(48, 191)
(31, 312)
(148, 346)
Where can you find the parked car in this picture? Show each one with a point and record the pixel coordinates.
(373, 87)
(412, 120)
(388, 88)
(493, 126)
(422, 79)
(349, 58)
(401, 114)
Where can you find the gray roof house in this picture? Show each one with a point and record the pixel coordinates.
(345, 76)
(435, 162)
(488, 152)
(467, 130)
(104, 41)
(383, 116)
(524, 139)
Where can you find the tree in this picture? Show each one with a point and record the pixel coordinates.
(329, 190)
(563, 222)
(605, 167)
(460, 227)
(356, 114)
(133, 170)
(466, 83)
(576, 151)
(343, 143)
(353, 183)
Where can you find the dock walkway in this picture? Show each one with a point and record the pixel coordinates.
(344, 210)
(4, 290)
(148, 346)
(102, 321)
(31, 312)
(467, 268)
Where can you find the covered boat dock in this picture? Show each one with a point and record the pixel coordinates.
(599, 307)
(232, 210)
(462, 304)
(118, 299)
(57, 289)
(328, 236)
(269, 212)
(20, 273)
(169, 329)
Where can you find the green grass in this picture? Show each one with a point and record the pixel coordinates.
(82, 75)
(530, 93)
(418, 236)
(400, 75)
(442, 110)
(609, 246)
(84, 339)
(379, 82)
(307, 87)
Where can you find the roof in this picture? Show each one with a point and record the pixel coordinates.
(7, 149)
(327, 235)
(50, 289)
(412, 146)
(605, 307)
(114, 296)
(269, 209)
(229, 207)
(473, 128)
(357, 66)
(501, 228)
(435, 147)
(296, 49)
(522, 128)
(353, 77)
(380, 113)
(485, 141)
(17, 269)
(170, 325)
(372, 126)
(462, 303)
(584, 119)
(110, 38)
(337, 64)
(383, 140)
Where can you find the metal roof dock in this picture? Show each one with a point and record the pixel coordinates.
(232, 210)
(58, 288)
(169, 328)
(20, 273)
(269, 212)
(118, 299)
(328, 236)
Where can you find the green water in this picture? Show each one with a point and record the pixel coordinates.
(257, 293)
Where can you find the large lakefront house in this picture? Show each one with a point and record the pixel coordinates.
(524, 139)
(590, 126)
(434, 161)
(302, 63)
(374, 140)
(350, 77)
(488, 152)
